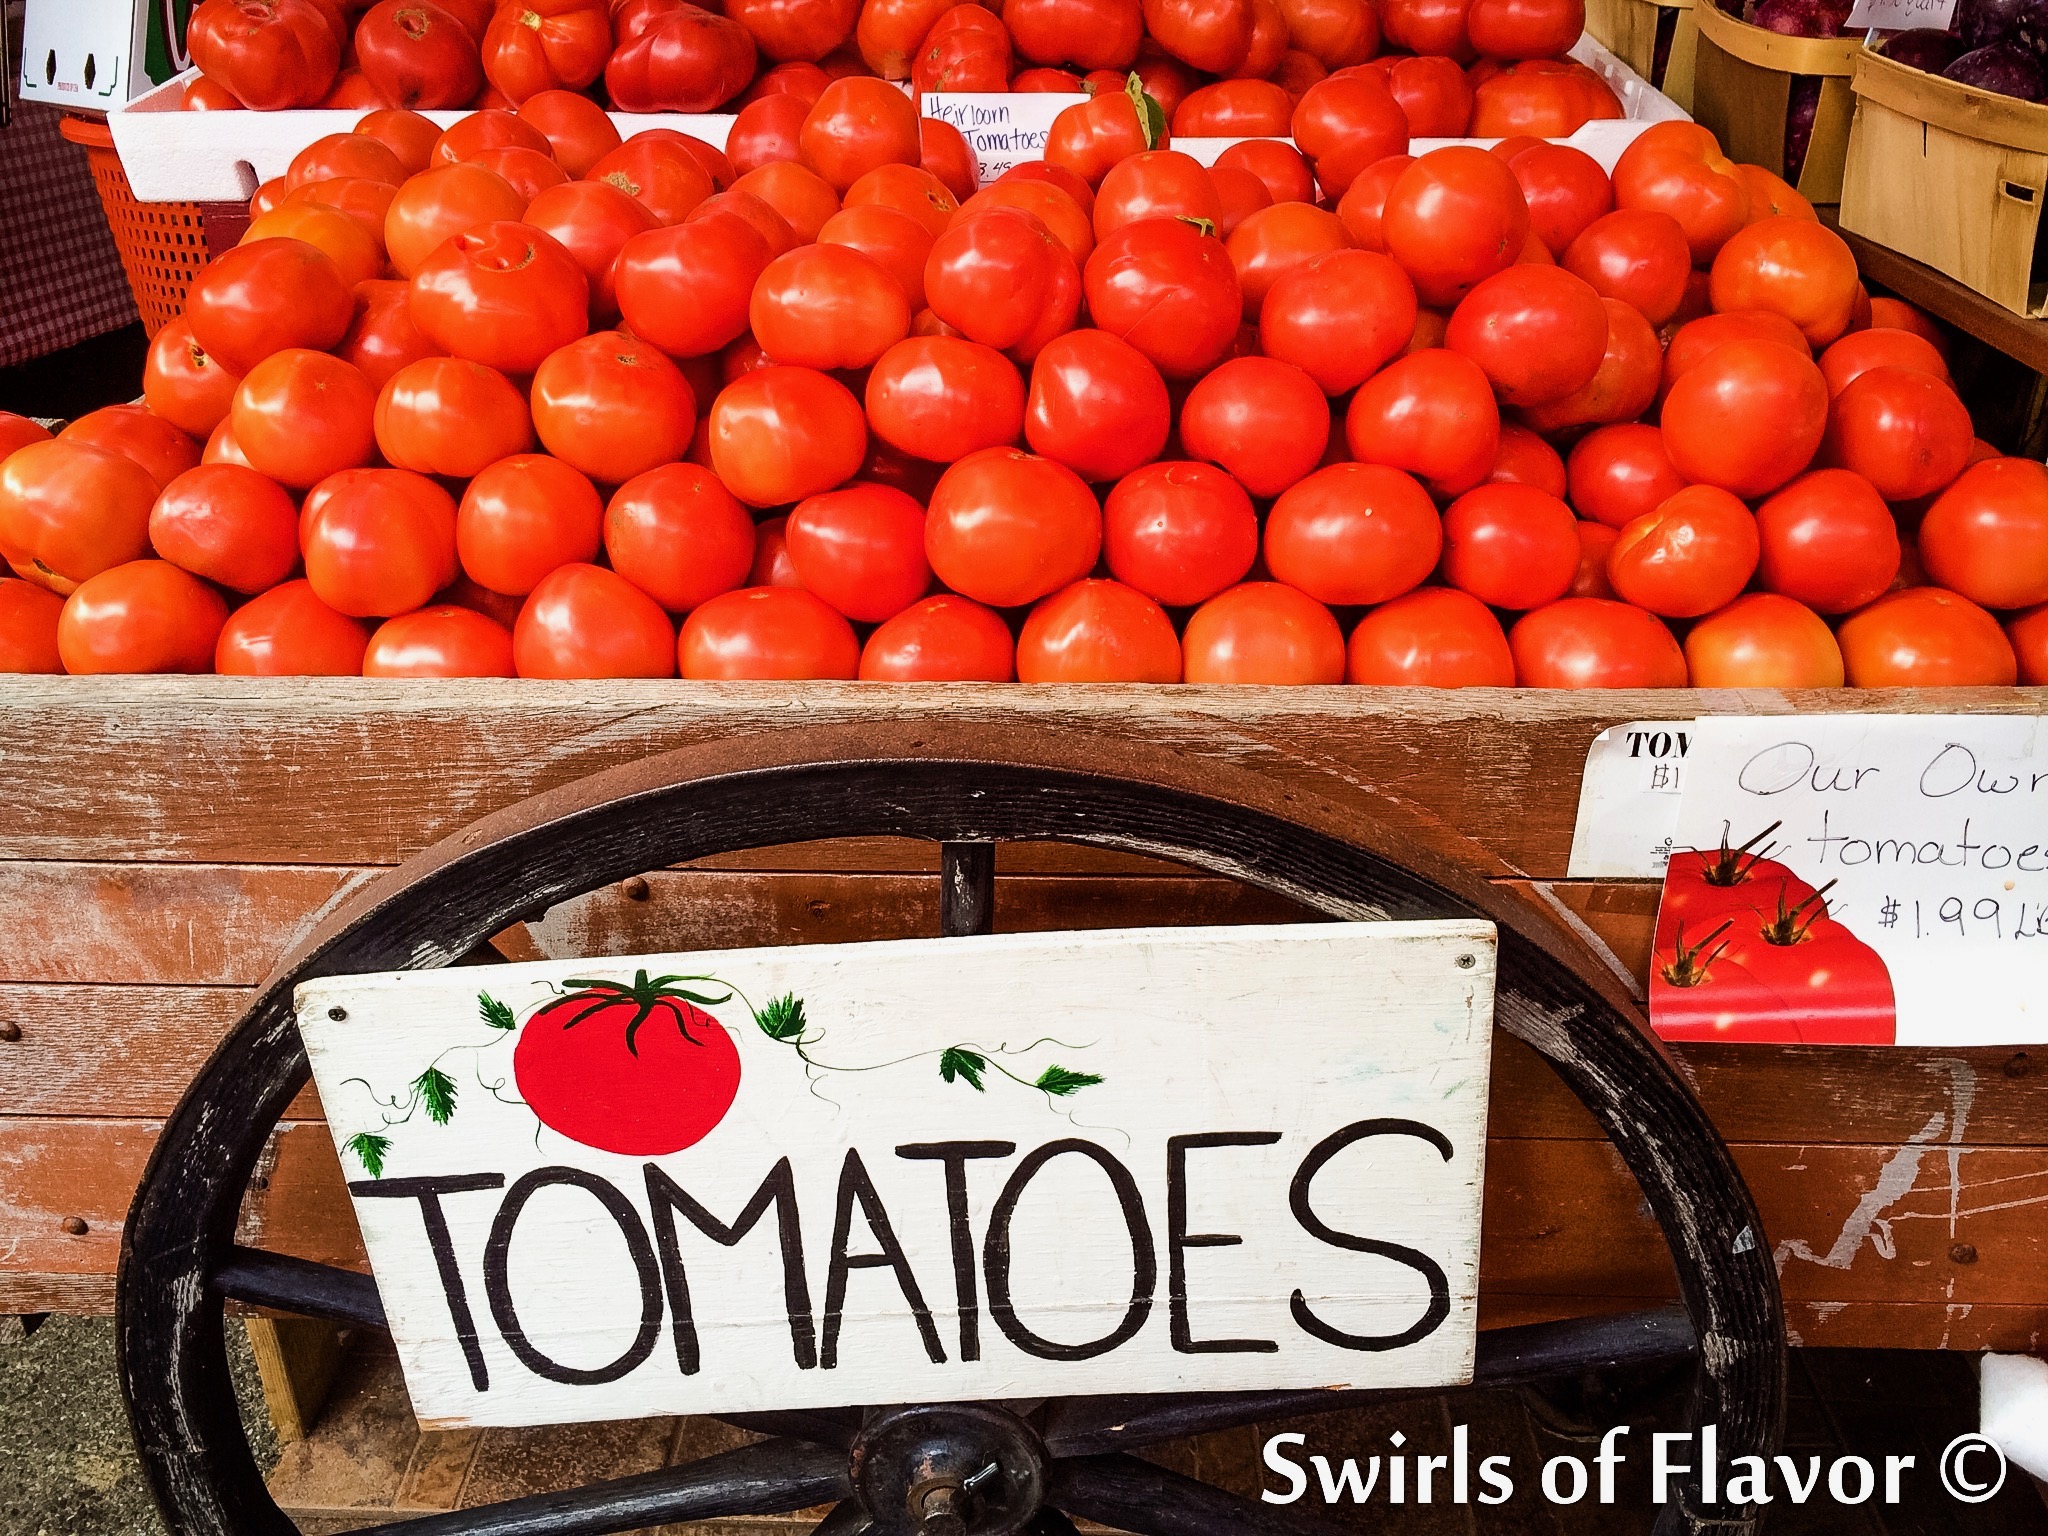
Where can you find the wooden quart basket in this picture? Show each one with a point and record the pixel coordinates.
(1949, 175)
(1742, 90)
(1632, 29)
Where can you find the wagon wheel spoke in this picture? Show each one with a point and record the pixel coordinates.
(1087, 1426)
(1134, 1495)
(815, 1426)
(300, 1286)
(847, 1519)
(771, 1478)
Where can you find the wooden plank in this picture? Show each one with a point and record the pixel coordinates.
(208, 769)
(296, 1362)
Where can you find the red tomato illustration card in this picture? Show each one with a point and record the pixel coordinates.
(1858, 880)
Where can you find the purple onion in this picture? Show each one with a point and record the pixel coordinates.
(1980, 23)
(1924, 48)
(2006, 68)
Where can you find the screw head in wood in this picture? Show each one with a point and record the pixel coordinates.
(337, 1014)
(635, 889)
(2017, 1065)
(1963, 1253)
(75, 1225)
(10, 1031)
(1466, 962)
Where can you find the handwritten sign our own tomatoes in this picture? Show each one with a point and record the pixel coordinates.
(1014, 1166)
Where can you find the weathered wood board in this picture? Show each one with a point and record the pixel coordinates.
(224, 815)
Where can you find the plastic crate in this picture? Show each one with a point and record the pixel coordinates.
(162, 245)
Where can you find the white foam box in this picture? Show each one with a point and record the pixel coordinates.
(93, 55)
(172, 155)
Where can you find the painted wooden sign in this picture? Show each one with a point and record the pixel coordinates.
(1017, 1166)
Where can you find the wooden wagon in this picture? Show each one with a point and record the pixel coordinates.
(167, 841)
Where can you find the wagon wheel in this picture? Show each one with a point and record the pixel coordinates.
(966, 786)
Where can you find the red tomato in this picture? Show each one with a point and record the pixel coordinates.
(592, 221)
(378, 541)
(407, 134)
(339, 236)
(1433, 638)
(144, 616)
(1333, 34)
(1622, 389)
(584, 621)
(1431, 413)
(1097, 405)
(1566, 192)
(447, 416)
(28, 627)
(684, 59)
(1154, 184)
(1280, 166)
(779, 633)
(613, 407)
(889, 33)
(1263, 420)
(1092, 136)
(269, 54)
(1088, 34)
(1055, 208)
(221, 448)
(1525, 459)
(504, 294)
(1689, 557)
(1771, 197)
(911, 190)
(1005, 528)
(1925, 637)
(19, 431)
(1524, 29)
(1274, 241)
(1763, 641)
(301, 416)
(861, 549)
(440, 204)
(1596, 542)
(365, 201)
(1235, 109)
(1339, 318)
(417, 56)
(289, 632)
(1639, 256)
(943, 639)
(893, 240)
(1986, 536)
(442, 641)
(1362, 208)
(780, 434)
(228, 524)
(1860, 351)
(69, 510)
(491, 128)
(942, 397)
(686, 288)
(345, 154)
(381, 338)
(1344, 124)
(945, 153)
(679, 536)
(1789, 266)
(857, 125)
(1214, 38)
(798, 31)
(260, 298)
(1904, 431)
(1098, 632)
(1000, 278)
(134, 432)
(1263, 632)
(1829, 541)
(530, 172)
(2028, 633)
(1170, 291)
(666, 173)
(966, 49)
(1240, 195)
(1696, 338)
(1589, 642)
(827, 306)
(1511, 546)
(766, 130)
(1620, 472)
(579, 132)
(1453, 218)
(524, 517)
(1538, 333)
(1897, 314)
(201, 95)
(1353, 533)
(1678, 168)
(1748, 417)
(546, 45)
(1179, 532)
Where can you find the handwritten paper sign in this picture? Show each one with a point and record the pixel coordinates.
(1149, 1160)
(1898, 15)
(1628, 800)
(1004, 129)
(1869, 879)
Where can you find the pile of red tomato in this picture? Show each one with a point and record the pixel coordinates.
(611, 410)
(1228, 68)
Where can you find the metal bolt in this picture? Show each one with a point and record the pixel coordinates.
(1466, 962)
(337, 1014)
(2017, 1065)
(1963, 1253)
(75, 1225)
(10, 1031)
(944, 1513)
(635, 889)
(818, 908)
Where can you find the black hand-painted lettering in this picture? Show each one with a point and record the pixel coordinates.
(856, 1186)
(1432, 1272)
(1179, 1239)
(428, 1191)
(665, 1197)
(955, 1155)
(997, 1255)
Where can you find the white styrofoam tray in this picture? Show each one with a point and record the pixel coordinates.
(172, 155)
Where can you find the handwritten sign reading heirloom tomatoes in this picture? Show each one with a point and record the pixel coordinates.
(1146, 1160)
(1858, 879)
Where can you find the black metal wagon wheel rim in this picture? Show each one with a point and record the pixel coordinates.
(967, 787)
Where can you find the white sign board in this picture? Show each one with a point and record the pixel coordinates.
(1895, 887)
(1003, 129)
(1194, 1159)
(1628, 800)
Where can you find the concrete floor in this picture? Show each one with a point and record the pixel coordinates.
(67, 1465)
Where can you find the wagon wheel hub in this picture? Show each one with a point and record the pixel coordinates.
(953, 1469)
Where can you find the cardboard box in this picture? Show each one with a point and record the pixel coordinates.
(97, 55)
